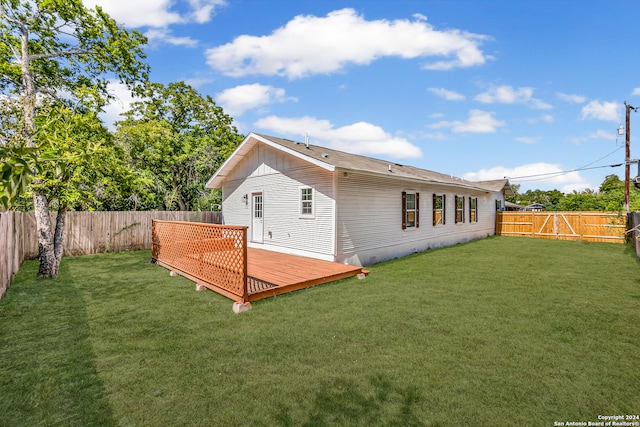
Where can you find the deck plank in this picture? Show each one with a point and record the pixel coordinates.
(291, 272)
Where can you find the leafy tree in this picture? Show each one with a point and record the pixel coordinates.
(516, 193)
(587, 200)
(611, 184)
(16, 166)
(16, 160)
(87, 170)
(58, 49)
(180, 138)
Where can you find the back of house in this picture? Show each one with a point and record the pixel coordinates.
(313, 201)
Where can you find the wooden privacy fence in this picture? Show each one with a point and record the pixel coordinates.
(98, 232)
(585, 226)
(214, 256)
(85, 233)
(11, 247)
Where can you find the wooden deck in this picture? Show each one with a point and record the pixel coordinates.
(273, 273)
(217, 257)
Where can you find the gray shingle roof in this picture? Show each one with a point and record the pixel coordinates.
(339, 160)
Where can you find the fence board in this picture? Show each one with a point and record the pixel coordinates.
(11, 247)
(85, 233)
(585, 226)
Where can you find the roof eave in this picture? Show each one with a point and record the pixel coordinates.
(466, 185)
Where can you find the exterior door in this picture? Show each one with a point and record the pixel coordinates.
(257, 217)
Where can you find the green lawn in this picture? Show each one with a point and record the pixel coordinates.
(500, 331)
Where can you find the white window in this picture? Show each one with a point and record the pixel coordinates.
(306, 202)
(473, 209)
(439, 213)
(459, 209)
(410, 210)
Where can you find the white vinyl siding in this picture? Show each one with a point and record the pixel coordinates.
(369, 211)
(280, 178)
(355, 216)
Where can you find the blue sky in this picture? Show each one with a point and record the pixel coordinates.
(476, 89)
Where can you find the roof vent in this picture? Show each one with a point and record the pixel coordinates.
(325, 155)
(390, 168)
(306, 140)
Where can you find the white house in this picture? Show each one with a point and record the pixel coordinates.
(313, 201)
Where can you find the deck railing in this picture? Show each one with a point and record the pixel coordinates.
(212, 255)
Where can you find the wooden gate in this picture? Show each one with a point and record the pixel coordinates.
(585, 226)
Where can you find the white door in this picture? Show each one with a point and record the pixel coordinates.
(257, 218)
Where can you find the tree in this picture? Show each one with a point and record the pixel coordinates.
(587, 200)
(83, 160)
(16, 165)
(16, 160)
(53, 50)
(611, 184)
(180, 138)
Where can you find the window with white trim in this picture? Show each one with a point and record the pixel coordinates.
(439, 213)
(473, 209)
(306, 201)
(459, 209)
(410, 210)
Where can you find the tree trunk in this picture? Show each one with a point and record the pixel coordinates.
(181, 204)
(46, 253)
(58, 237)
(46, 249)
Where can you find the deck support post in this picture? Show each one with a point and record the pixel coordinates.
(245, 286)
(240, 307)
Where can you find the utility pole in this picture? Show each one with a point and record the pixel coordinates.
(627, 155)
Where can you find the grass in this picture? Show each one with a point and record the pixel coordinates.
(500, 331)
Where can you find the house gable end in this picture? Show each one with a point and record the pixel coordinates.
(263, 160)
(245, 148)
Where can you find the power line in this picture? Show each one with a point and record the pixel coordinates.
(542, 176)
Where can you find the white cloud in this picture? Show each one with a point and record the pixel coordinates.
(571, 98)
(198, 82)
(528, 139)
(239, 99)
(547, 118)
(534, 175)
(602, 134)
(449, 95)
(120, 104)
(607, 110)
(478, 122)
(202, 10)
(599, 134)
(309, 45)
(164, 35)
(636, 91)
(358, 138)
(508, 95)
(156, 13)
